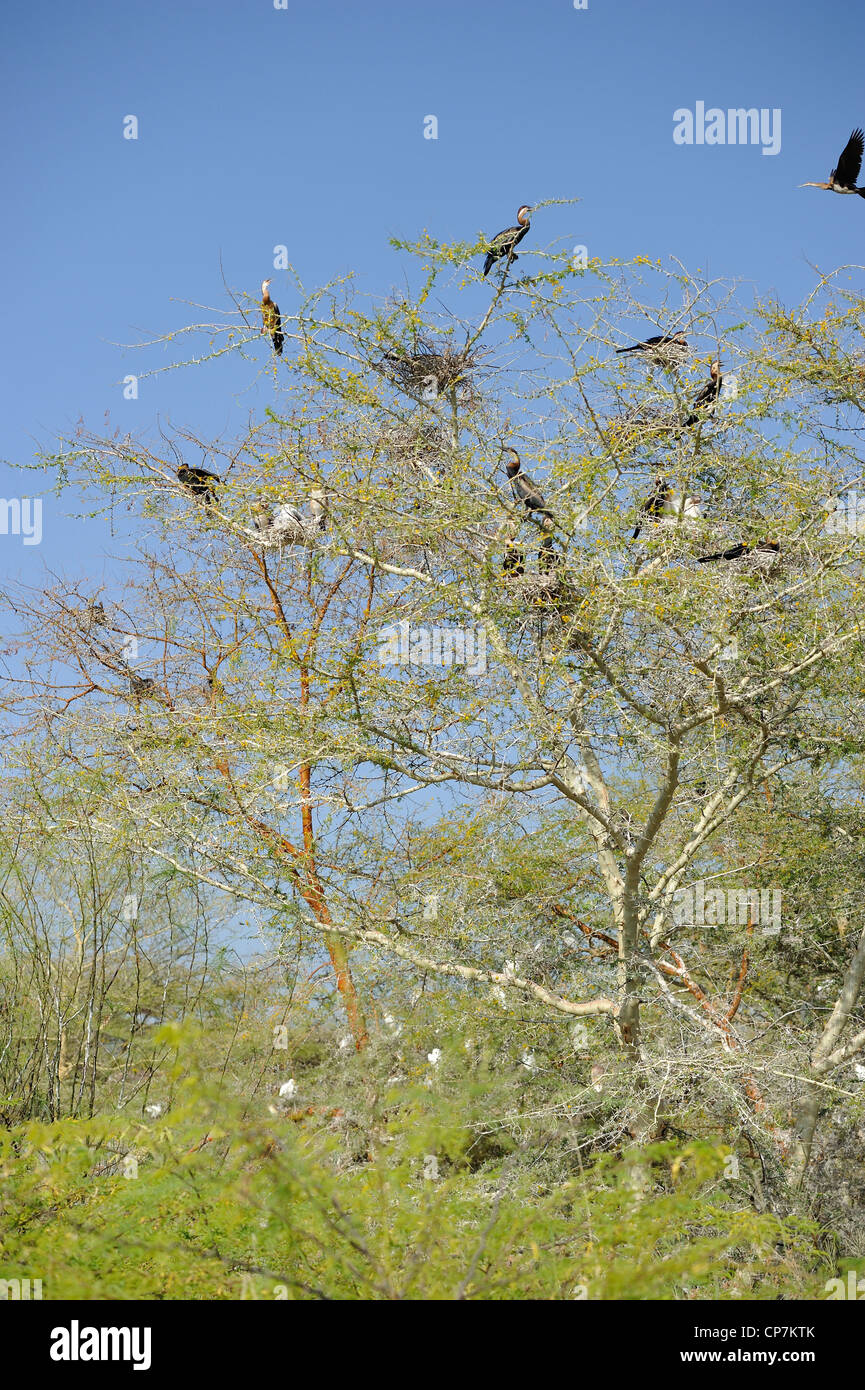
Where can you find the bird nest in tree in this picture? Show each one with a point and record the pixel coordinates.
(430, 368)
(671, 355)
(402, 439)
(759, 564)
(421, 447)
(551, 598)
(546, 589)
(642, 422)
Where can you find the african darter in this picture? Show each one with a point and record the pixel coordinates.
(515, 560)
(843, 179)
(271, 321)
(289, 523)
(522, 486)
(505, 243)
(199, 483)
(657, 343)
(737, 552)
(707, 398)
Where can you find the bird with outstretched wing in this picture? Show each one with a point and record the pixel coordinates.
(843, 177)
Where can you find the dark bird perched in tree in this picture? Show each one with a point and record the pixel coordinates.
(522, 486)
(140, 685)
(271, 319)
(557, 591)
(665, 505)
(843, 179)
(707, 398)
(549, 558)
(199, 482)
(505, 243)
(93, 615)
(736, 552)
(514, 563)
(653, 507)
(658, 342)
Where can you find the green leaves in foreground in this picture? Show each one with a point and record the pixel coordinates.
(400, 1204)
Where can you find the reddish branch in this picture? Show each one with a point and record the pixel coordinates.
(678, 971)
(303, 871)
(303, 864)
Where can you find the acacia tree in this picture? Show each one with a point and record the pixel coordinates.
(637, 699)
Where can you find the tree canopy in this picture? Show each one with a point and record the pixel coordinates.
(577, 810)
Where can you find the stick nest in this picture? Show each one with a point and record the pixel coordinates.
(431, 367)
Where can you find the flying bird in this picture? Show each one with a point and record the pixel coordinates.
(505, 243)
(707, 398)
(271, 320)
(666, 506)
(657, 343)
(843, 179)
(522, 486)
(198, 482)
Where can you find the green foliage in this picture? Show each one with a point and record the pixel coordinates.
(391, 1198)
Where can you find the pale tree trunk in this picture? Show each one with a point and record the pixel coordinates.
(828, 1054)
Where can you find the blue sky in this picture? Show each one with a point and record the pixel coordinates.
(305, 127)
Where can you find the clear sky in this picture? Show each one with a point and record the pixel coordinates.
(304, 126)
